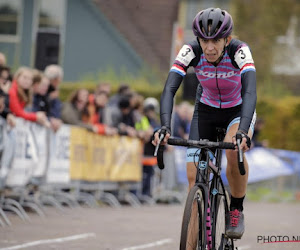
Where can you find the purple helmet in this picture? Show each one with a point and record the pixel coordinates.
(212, 23)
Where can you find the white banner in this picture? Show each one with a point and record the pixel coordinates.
(59, 158)
(180, 163)
(25, 157)
(263, 165)
(40, 138)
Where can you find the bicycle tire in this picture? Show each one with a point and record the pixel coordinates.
(221, 208)
(194, 221)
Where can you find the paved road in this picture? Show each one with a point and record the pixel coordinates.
(148, 227)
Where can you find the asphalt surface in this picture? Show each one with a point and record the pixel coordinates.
(147, 227)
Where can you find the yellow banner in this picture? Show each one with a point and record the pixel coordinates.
(126, 159)
(104, 158)
(79, 159)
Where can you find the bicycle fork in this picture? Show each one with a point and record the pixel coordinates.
(207, 243)
(208, 226)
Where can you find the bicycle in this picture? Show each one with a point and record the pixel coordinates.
(207, 204)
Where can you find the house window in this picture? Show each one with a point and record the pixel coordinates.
(9, 17)
(51, 14)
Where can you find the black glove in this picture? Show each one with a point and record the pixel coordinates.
(240, 135)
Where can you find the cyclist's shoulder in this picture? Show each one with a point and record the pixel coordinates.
(196, 47)
(237, 47)
(189, 53)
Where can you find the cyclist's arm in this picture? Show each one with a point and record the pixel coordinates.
(245, 62)
(184, 59)
(249, 100)
(166, 101)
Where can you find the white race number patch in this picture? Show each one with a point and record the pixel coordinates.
(185, 55)
(243, 56)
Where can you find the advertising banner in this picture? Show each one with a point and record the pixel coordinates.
(59, 156)
(25, 158)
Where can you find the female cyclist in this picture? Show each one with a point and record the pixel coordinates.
(226, 97)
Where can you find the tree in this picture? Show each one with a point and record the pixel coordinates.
(259, 23)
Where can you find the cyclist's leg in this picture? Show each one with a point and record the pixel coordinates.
(237, 182)
(192, 153)
(201, 127)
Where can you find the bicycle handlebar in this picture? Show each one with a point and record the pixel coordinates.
(201, 143)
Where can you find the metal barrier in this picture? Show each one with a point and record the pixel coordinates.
(65, 169)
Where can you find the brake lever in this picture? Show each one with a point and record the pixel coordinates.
(240, 158)
(161, 137)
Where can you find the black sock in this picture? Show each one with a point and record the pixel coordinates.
(236, 203)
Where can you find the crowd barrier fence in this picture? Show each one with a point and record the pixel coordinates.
(36, 158)
(72, 153)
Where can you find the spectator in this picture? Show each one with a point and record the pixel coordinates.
(181, 121)
(4, 110)
(74, 109)
(5, 83)
(40, 85)
(105, 87)
(8, 142)
(5, 79)
(148, 124)
(55, 74)
(123, 90)
(122, 118)
(256, 142)
(95, 112)
(20, 97)
(2, 59)
(137, 106)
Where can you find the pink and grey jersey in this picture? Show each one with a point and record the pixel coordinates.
(223, 86)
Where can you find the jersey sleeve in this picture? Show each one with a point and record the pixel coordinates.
(186, 57)
(244, 61)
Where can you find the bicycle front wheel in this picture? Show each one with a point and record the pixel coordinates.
(220, 241)
(193, 222)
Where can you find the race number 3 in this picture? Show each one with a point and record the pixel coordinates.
(243, 56)
(185, 55)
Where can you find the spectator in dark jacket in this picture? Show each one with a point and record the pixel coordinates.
(5, 82)
(123, 90)
(122, 118)
(40, 85)
(55, 74)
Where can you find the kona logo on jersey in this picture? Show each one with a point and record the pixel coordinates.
(214, 75)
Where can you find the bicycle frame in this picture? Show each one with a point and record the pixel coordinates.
(205, 167)
(211, 187)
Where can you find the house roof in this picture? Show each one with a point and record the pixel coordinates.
(146, 25)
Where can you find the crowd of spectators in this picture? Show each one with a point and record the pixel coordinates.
(34, 95)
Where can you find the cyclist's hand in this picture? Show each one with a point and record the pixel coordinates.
(245, 140)
(163, 130)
